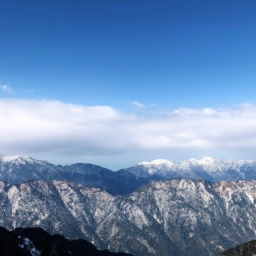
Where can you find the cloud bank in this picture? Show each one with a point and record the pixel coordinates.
(29, 127)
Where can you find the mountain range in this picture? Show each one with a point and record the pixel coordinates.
(208, 168)
(15, 170)
(175, 217)
(168, 209)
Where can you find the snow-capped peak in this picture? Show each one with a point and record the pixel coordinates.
(157, 162)
(204, 161)
(9, 158)
(19, 160)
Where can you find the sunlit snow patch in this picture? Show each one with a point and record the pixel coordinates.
(28, 245)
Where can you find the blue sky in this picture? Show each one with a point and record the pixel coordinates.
(142, 59)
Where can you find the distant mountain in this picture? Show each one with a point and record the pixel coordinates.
(37, 242)
(246, 249)
(208, 168)
(16, 169)
(162, 218)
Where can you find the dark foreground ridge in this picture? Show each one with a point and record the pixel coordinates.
(247, 249)
(37, 242)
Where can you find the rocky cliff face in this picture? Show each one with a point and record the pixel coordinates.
(176, 217)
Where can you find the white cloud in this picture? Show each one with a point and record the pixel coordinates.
(53, 128)
(138, 104)
(6, 88)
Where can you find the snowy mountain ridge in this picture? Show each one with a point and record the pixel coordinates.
(157, 162)
(207, 168)
(162, 218)
(210, 163)
(153, 208)
(17, 160)
(16, 169)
